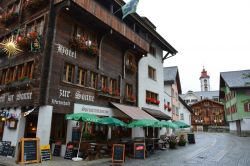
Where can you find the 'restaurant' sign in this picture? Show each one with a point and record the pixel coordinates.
(103, 111)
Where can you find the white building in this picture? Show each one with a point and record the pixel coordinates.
(151, 82)
(172, 89)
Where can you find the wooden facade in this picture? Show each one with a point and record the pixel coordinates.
(207, 113)
(72, 53)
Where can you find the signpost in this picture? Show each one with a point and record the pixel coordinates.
(118, 153)
(29, 150)
(139, 150)
(45, 152)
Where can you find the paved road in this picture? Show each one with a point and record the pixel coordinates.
(211, 149)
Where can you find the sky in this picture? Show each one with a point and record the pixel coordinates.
(210, 33)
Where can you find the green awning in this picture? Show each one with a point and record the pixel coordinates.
(112, 122)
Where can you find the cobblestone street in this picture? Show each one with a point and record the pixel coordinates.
(211, 149)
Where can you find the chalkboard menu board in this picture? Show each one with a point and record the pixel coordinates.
(118, 154)
(29, 150)
(45, 152)
(5, 146)
(57, 150)
(69, 152)
(139, 150)
(191, 138)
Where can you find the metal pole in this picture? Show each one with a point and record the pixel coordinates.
(80, 141)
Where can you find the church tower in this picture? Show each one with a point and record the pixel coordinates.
(204, 79)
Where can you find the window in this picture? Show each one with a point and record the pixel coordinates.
(68, 74)
(129, 90)
(20, 72)
(37, 26)
(181, 116)
(3, 76)
(82, 77)
(152, 98)
(113, 86)
(94, 80)
(151, 73)
(104, 82)
(84, 34)
(152, 50)
(247, 107)
(29, 70)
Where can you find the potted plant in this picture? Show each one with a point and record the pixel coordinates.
(182, 141)
(172, 142)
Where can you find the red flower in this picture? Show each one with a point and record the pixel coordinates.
(132, 98)
(157, 102)
(165, 106)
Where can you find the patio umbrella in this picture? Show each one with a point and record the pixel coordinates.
(112, 122)
(181, 124)
(143, 123)
(83, 117)
(166, 124)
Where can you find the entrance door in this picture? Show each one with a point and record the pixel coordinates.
(31, 126)
(238, 127)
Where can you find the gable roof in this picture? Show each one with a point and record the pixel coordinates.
(201, 101)
(185, 105)
(171, 76)
(235, 79)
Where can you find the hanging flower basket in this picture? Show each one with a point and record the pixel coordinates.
(9, 18)
(26, 42)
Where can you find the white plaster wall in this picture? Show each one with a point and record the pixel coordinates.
(167, 94)
(44, 124)
(232, 126)
(245, 125)
(12, 134)
(145, 83)
(138, 132)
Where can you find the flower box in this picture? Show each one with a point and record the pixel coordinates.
(80, 44)
(152, 101)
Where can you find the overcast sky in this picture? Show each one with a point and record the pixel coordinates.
(210, 33)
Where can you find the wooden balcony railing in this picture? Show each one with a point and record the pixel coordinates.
(108, 18)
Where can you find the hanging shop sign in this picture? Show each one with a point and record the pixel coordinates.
(103, 111)
(65, 51)
(7, 97)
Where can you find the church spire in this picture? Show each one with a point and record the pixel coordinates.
(204, 80)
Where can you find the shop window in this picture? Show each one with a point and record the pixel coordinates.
(68, 74)
(113, 86)
(151, 73)
(36, 26)
(58, 128)
(82, 76)
(94, 80)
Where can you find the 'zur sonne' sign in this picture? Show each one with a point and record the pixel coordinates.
(7, 97)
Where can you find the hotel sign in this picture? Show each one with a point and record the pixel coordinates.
(7, 97)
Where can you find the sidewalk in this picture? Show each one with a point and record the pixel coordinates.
(56, 161)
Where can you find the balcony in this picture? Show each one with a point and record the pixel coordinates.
(112, 21)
